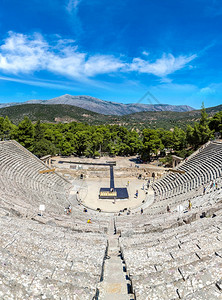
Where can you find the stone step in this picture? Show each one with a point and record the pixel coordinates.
(114, 251)
(118, 297)
(113, 243)
(116, 277)
(114, 288)
(115, 285)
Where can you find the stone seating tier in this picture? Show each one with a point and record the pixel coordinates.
(22, 183)
(175, 255)
(175, 264)
(48, 262)
(201, 169)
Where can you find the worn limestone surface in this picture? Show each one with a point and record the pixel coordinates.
(152, 255)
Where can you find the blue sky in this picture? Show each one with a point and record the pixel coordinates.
(113, 50)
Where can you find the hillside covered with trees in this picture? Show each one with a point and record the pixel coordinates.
(56, 113)
(94, 140)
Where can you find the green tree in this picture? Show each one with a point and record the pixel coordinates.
(84, 144)
(49, 134)
(216, 122)
(25, 133)
(151, 143)
(190, 135)
(178, 139)
(43, 147)
(66, 148)
(205, 133)
(134, 142)
(38, 131)
(166, 137)
(6, 128)
(202, 132)
(1, 128)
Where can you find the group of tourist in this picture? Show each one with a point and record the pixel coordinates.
(213, 185)
(68, 210)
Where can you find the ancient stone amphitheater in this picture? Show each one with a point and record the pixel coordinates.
(154, 255)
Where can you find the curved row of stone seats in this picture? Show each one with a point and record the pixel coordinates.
(32, 198)
(137, 223)
(198, 200)
(200, 169)
(196, 196)
(200, 165)
(76, 221)
(20, 174)
(24, 185)
(23, 189)
(12, 152)
(48, 262)
(182, 262)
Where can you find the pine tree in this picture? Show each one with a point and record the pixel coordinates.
(201, 133)
(25, 133)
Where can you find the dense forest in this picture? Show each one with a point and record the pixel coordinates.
(82, 139)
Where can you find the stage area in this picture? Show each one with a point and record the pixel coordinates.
(88, 193)
(112, 192)
(95, 175)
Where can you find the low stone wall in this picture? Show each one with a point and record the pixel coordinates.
(104, 172)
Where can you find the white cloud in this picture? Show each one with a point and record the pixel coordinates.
(163, 66)
(105, 64)
(72, 5)
(23, 54)
(166, 80)
(207, 91)
(46, 83)
(145, 53)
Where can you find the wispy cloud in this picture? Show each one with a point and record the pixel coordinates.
(72, 5)
(207, 91)
(23, 54)
(206, 48)
(40, 83)
(145, 53)
(163, 66)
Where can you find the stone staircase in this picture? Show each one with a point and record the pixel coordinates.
(116, 283)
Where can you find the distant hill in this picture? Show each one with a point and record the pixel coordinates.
(214, 109)
(51, 113)
(105, 107)
(67, 113)
(166, 119)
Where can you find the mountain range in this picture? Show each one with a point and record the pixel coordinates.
(104, 107)
(64, 113)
